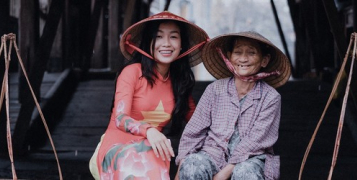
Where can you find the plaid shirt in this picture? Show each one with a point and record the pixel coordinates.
(217, 114)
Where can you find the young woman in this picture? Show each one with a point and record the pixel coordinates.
(153, 90)
(235, 125)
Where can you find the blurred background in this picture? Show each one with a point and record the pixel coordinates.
(70, 50)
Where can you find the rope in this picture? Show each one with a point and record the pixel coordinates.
(341, 120)
(343, 111)
(193, 48)
(132, 47)
(127, 42)
(5, 90)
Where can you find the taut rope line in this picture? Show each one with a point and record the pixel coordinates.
(342, 115)
(5, 90)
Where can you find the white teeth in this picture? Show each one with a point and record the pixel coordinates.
(165, 52)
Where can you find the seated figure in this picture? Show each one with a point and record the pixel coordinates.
(235, 125)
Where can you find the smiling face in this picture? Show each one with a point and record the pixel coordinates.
(246, 57)
(167, 45)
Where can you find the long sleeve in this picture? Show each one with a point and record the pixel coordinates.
(125, 88)
(196, 129)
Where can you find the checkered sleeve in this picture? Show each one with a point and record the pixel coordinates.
(264, 131)
(196, 129)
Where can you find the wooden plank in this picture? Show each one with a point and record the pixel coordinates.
(86, 117)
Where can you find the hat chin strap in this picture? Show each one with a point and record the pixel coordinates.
(251, 78)
(193, 48)
(131, 48)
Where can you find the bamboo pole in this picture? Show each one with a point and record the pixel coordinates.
(353, 36)
(5, 92)
(343, 111)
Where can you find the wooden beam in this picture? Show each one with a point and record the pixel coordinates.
(167, 5)
(91, 35)
(114, 34)
(340, 40)
(354, 6)
(36, 73)
(336, 27)
(28, 37)
(99, 56)
(75, 32)
(129, 13)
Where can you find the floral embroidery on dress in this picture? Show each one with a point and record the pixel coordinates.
(132, 127)
(131, 155)
(118, 119)
(125, 153)
(120, 107)
(129, 124)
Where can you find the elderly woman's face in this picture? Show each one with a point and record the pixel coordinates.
(246, 57)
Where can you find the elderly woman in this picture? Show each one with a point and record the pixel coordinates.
(235, 125)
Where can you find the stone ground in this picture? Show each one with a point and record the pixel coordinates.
(77, 132)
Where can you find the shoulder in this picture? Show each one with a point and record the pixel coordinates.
(219, 86)
(269, 91)
(132, 70)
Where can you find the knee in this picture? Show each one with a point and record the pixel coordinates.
(193, 167)
(247, 170)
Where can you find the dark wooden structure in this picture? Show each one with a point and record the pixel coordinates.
(80, 35)
(83, 35)
(322, 33)
(323, 30)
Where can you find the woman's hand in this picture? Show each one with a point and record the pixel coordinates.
(160, 144)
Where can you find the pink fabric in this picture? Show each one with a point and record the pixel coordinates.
(125, 152)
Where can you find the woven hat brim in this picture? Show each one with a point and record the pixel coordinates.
(215, 65)
(195, 33)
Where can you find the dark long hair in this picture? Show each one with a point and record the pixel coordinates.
(182, 77)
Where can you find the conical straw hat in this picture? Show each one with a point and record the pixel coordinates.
(216, 66)
(134, 34)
